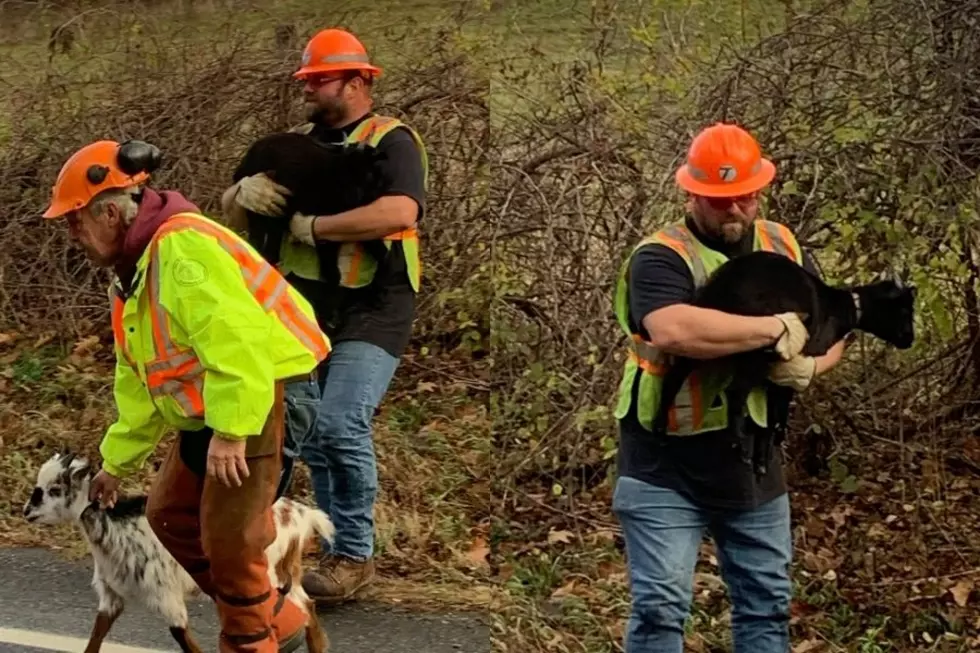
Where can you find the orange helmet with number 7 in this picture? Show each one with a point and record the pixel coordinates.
(333, 50)
(724, 161)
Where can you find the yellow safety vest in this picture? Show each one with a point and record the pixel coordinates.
(356, 267)
(693, 410)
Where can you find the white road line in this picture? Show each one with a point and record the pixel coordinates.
(52, 642)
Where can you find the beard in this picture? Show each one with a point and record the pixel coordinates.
(327, 115)
(731, 232)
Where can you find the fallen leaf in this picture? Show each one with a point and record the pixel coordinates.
(961, 592)
(564, 590)
(604, 534)
(477, 555)
(85, 344)
(809, 646)
(559, 536)
(425, 386)
(505, 571)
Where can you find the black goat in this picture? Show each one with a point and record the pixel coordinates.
(764, 283)
(324, 179)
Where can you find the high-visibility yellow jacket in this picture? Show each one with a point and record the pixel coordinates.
(200, 340)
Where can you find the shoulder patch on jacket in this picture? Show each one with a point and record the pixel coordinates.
(189, 272)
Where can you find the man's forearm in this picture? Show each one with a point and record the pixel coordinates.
(384, 216)
(703, 333)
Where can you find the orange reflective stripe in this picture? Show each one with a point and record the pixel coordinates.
(648, 357)
(355, 265)
(647, 366)
(305, 331)
(118, 332)
(765, 240)
(679, 239)
(775, 237)
(686, 412)
(406, 234)
(173, 372)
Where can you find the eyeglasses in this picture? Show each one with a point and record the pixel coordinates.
(318, 81)
(724, 203)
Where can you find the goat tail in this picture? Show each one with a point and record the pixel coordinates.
(322, 524)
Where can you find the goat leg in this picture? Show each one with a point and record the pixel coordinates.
(103, 623)
(184, 640)
(738, 393)
(778, 400)
(316, 638)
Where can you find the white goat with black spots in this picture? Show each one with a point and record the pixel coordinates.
(131, 563)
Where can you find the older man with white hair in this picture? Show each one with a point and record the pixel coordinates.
(206, 335)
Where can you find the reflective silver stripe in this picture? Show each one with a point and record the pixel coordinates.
(170, 363)
(684, 410)
(256, 282)
(294, 329)
(273, 299)
(161, 313)
(176, 390)
(187, 375)
(645, 351)
(344, 58)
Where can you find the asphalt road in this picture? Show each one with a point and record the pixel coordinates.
(45, 600)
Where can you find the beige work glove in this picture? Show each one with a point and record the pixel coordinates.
(796, 373)
(794, 336)
(301, 226)
(261, 195)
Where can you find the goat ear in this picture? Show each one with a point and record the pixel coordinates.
(80, 473)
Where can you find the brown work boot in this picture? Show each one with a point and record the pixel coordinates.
(337, 579)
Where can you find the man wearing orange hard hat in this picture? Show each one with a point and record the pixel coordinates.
(207, 336)
(671, 488)
(369, 320)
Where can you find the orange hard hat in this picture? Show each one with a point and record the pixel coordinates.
(724, 161)
(332, 50)
(97, 167)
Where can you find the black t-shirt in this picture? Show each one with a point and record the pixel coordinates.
(382, 316)
(706, 467)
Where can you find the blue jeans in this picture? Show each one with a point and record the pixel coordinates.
(340, 454)
(302, 403)
(663, 531)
